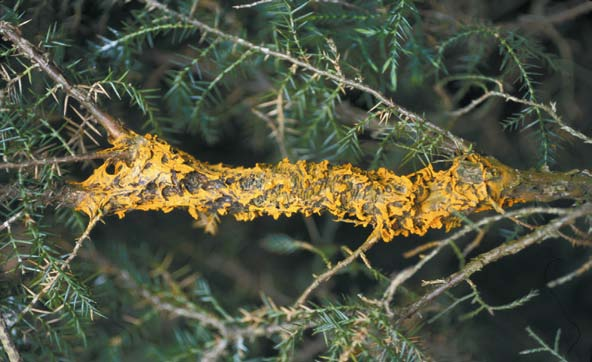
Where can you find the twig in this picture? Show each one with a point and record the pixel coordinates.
(509, 248)
(420, 249)
(404, 275)
(12, 33)
(566, 278)
(54, 160)
(407, 273)
(275, 131)
(371, 240)
(7, 343)
(228, 329)
(454, 143)
(253, 4)
(214, 353)
(66, 264)
(475, 243)
(550, 110)
(560, 17)
(13, 218)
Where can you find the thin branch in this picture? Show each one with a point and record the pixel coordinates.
(576, 273)
(55, 160)
(66, 264)
(228, 329)
(550, 110)
(215, 353)
(407, 273)
(12, 33)
(454, 143)
(371, 240)
(253, 4)
(7, 343)
(558, 17)
(13, 218)
(507, 249)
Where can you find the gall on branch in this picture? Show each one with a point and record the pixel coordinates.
(152, 175)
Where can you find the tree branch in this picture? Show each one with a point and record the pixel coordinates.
(408, 272)
(453, 144)
(12, 33)
(506, 249)
(371, 240)
(66, 264)
(558, 17)
(55, 160)
(7, 343)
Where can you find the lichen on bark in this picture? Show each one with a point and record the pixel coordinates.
(155, 176)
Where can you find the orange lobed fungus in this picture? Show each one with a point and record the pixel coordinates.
(156, 176)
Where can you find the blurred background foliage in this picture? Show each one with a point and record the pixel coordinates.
(223, 102)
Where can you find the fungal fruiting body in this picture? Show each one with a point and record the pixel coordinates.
(155, 176)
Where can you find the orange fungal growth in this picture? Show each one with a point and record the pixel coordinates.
(155, 176)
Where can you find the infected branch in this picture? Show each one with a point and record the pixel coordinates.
(159, 177)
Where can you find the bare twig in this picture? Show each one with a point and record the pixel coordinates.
(507, 249)
(566, 278)
(407, 273)
(13, 218)
(7, 343)
(214, 353)
(454, 143)
(371, 240)
(559, 17)
(55, 160)
(253, 4)
(475, 243)
(12, 33)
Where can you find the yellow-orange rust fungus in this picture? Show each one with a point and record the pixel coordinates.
(155, 176)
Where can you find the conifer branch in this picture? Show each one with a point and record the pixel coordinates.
(540, 234)
(53, 278)
(294, 78)
(549, 109)
(12, 34)
(453, 144)
(404, 275)
(55, 160)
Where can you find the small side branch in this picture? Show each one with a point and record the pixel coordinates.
(372, 239)
(453, 143)
(12, 34)
(55, 160)
(510, 248)
(7, 343)
(407, 273)
(53, 278)
(574, 274)
(13, 218)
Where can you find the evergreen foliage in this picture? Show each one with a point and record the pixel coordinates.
(397, 84)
